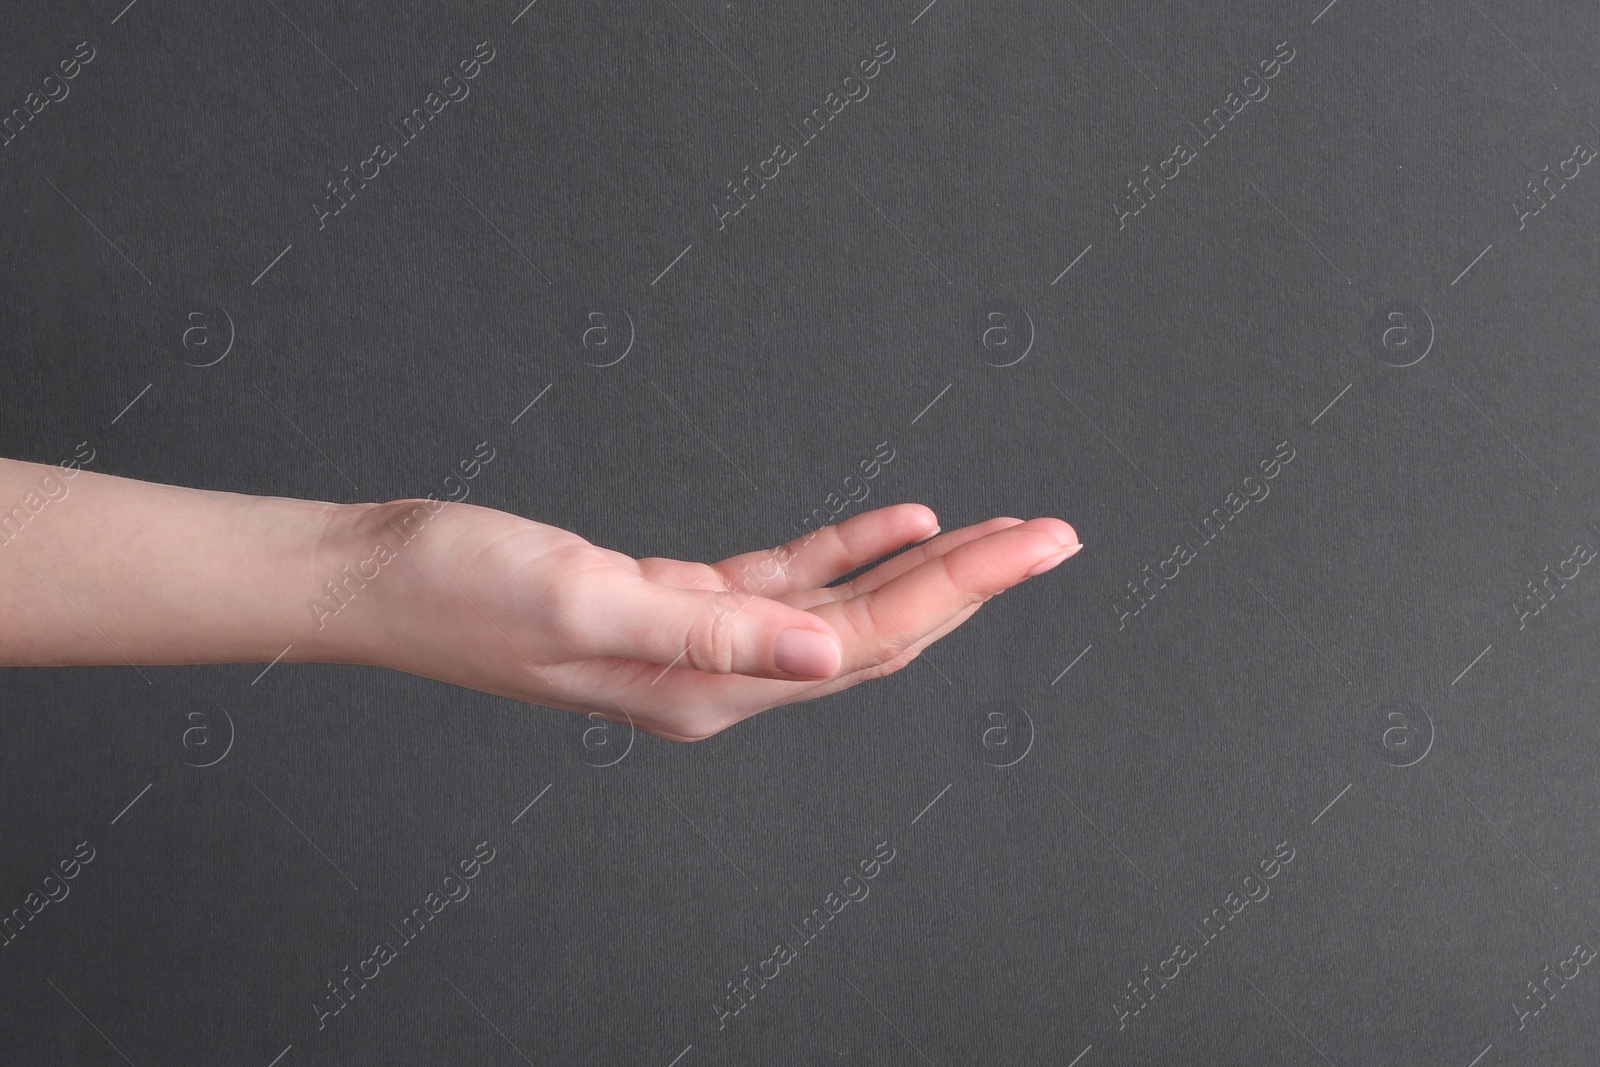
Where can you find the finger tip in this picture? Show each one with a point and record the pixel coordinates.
(1062, 531)
(924, 519)
(808, 653)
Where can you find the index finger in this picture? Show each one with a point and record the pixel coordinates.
(876, 626)
(821, 556)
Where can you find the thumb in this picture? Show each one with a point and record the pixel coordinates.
(715, 632)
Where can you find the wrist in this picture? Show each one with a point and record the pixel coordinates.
(342, 612)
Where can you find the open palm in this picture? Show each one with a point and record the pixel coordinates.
(683, 650)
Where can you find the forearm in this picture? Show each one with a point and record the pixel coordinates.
(96, 569)
(102, 570)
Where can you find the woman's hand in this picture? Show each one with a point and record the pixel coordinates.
(96, 569)
(494, 602)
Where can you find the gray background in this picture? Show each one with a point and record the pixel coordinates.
(1138, 769)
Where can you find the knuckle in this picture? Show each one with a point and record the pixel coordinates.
(888, 648)
(894, 663)
(969, 597)
(773, 570)
(710, 640)
(838, 545)
(877, 638)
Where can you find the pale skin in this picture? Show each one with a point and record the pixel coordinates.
(101, 570)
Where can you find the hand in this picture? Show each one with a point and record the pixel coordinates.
(494, 602)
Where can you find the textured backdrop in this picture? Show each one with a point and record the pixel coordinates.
(1288, 308)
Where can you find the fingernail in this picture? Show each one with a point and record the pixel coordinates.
(806, 653)
(1054, 561)
(931, 533)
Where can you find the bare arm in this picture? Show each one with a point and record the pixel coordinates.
(96, 569)
(102, 570)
